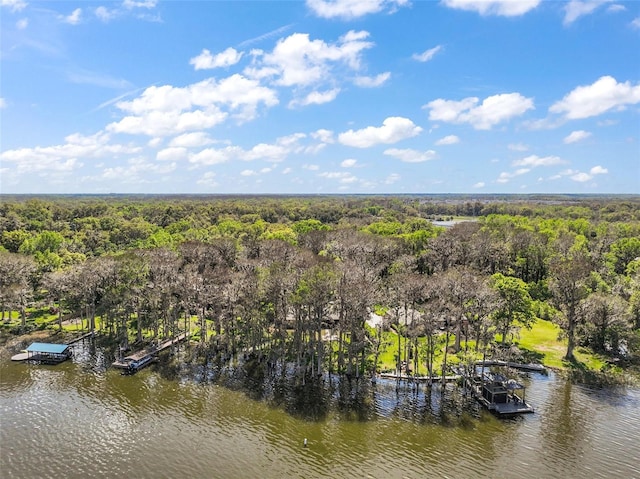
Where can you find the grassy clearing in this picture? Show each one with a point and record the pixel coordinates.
(542, 342)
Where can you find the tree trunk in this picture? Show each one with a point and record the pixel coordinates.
(60, 314)
(570, 335)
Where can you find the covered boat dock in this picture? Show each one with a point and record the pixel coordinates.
(48, 353)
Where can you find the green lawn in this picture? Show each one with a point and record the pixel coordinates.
(541, 341)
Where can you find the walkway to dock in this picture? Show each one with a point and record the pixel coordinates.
(171, 342)
(90, 334)
(539, 368)
(405, 377)
(143, 357)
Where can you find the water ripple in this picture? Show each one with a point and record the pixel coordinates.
(78, 421)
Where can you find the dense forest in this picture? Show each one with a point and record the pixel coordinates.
(293, 281)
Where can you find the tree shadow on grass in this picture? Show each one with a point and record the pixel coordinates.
(578, 372)
(531, 356)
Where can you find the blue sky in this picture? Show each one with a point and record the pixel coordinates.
(320, 96)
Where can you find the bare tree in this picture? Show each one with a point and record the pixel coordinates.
(16, 273)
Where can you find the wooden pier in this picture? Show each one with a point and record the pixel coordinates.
(421, 379)
(532, 367)
(90, 334)
(138, 360)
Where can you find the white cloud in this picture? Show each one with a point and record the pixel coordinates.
(130, 4)
(325, 136)
(581, 176)
(343, 177)
(598, 170)
(393, 129)
(506, 8)
(635, 23)
(191, 140)
(248, 173)
(74, 17)
(159, 123)
(411, 156)
(493, 110)
(154, 142)
(137, 170)
(167, 110)
(299, 61)
(273, 152)
(576, 136)
(448, 140)
(311, 167)
(479, 184)
(286, 171)
(592, 100)
(266, 151)
(372, 82)
(534, 161)
(13, 5)
(349, 9)
(313, 67)
(105, 14)
(616, 7)
(22, 23)
(173, 153)
(518, 147)
(392, 178)
(567, 172)
(128, 8)
(427, 54)
(66, 157)
(316, 98)
(578, 8)
(505, 176)
(207, 61)
(348, 163)
(213, 156)
(3, 103)
(544, 123)
(208, 179)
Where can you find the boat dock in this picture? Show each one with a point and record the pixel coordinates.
(49, 353)
(44, 353)
(138, 360)
(499, 395)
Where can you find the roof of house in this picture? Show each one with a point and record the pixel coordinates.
(47, 348)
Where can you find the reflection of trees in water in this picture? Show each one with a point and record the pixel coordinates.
(566, 423)
(314, 398)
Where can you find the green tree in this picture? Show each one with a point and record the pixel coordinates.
(514, 305)
(569, 268)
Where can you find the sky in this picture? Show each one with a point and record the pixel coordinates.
(320, 97)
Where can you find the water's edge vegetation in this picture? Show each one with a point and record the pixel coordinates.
(309, 294)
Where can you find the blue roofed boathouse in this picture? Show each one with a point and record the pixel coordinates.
(48, 353)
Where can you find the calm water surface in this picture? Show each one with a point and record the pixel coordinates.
(78, 421)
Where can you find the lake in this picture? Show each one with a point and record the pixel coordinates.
(80, 420)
